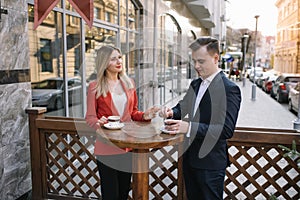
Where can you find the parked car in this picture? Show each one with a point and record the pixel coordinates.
(50, 92)
(268, 83)
(280, 89)
(294, 98)
(258, 73)
(259, 80)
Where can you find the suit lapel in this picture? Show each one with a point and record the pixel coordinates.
(195, 86)
(206, 96)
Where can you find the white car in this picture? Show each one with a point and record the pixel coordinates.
(50, 92)
(293, 98)
(258, 73)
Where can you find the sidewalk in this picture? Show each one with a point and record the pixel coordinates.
(263, 112)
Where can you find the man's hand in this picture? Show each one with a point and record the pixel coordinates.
(178, 126)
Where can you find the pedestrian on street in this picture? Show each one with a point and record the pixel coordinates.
(207, 114)
(113, 94)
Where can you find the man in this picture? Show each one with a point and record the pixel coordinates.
(209, 111)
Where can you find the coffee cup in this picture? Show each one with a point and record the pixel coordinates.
(113, 120)
(169, 122)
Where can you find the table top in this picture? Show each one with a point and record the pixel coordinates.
(139, 135)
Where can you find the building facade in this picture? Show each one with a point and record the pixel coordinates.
(287, 46)
(153, 36)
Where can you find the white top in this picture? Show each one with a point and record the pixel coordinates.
(120, 101)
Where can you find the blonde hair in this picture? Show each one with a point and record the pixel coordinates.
(103, 56)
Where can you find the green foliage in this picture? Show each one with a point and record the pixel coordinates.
(272, 197)
(292, 153)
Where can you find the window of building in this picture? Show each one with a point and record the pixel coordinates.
(108, 17)
(45, 55)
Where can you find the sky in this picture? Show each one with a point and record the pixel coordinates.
(240, 14)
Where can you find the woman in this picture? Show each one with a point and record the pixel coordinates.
(113, 93)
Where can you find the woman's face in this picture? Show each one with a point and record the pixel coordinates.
(115, 63)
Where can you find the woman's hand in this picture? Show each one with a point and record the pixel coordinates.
(166, 112)
(151, 113)
(103, 120)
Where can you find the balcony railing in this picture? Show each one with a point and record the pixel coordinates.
(63, 166)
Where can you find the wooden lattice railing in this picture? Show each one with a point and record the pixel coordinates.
(63, 166)
(259, 168)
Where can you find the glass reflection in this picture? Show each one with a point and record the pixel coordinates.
(95, 38)
(47, 52)
(46, 62)
(169, 74)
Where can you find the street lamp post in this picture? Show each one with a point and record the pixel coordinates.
(253, 96)
(244, 42)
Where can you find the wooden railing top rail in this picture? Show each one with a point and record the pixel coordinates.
(265, 129)
(241, 134)
(264, 136)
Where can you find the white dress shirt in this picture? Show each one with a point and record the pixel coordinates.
(202, 89)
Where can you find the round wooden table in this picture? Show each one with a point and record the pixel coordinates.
(140, 137)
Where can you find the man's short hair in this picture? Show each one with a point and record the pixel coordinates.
(211, 43)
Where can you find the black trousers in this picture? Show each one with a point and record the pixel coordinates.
(115, 176)
(202, 184)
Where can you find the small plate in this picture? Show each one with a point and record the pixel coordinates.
(114, 127)
(162, 129)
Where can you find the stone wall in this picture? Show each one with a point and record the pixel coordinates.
(15, 97)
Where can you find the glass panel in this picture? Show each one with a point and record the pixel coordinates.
(132, 56)
(132, 16)
(168, 74)
(74, 63)
(46, 63)
(124, 48)
(111, 11)
(99, 9)
(123, 13)
(94, 41)
(59, 5)
(45, 55)
(69, 6)
(131, 21)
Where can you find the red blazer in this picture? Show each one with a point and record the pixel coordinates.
(104, 106)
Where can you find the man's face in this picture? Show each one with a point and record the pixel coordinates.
(204, 63)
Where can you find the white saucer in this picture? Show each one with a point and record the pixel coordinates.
(114, 126)
(162, 129)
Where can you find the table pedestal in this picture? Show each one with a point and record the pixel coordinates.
(141, 164)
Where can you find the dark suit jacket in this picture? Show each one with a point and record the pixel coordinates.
(213, 123)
